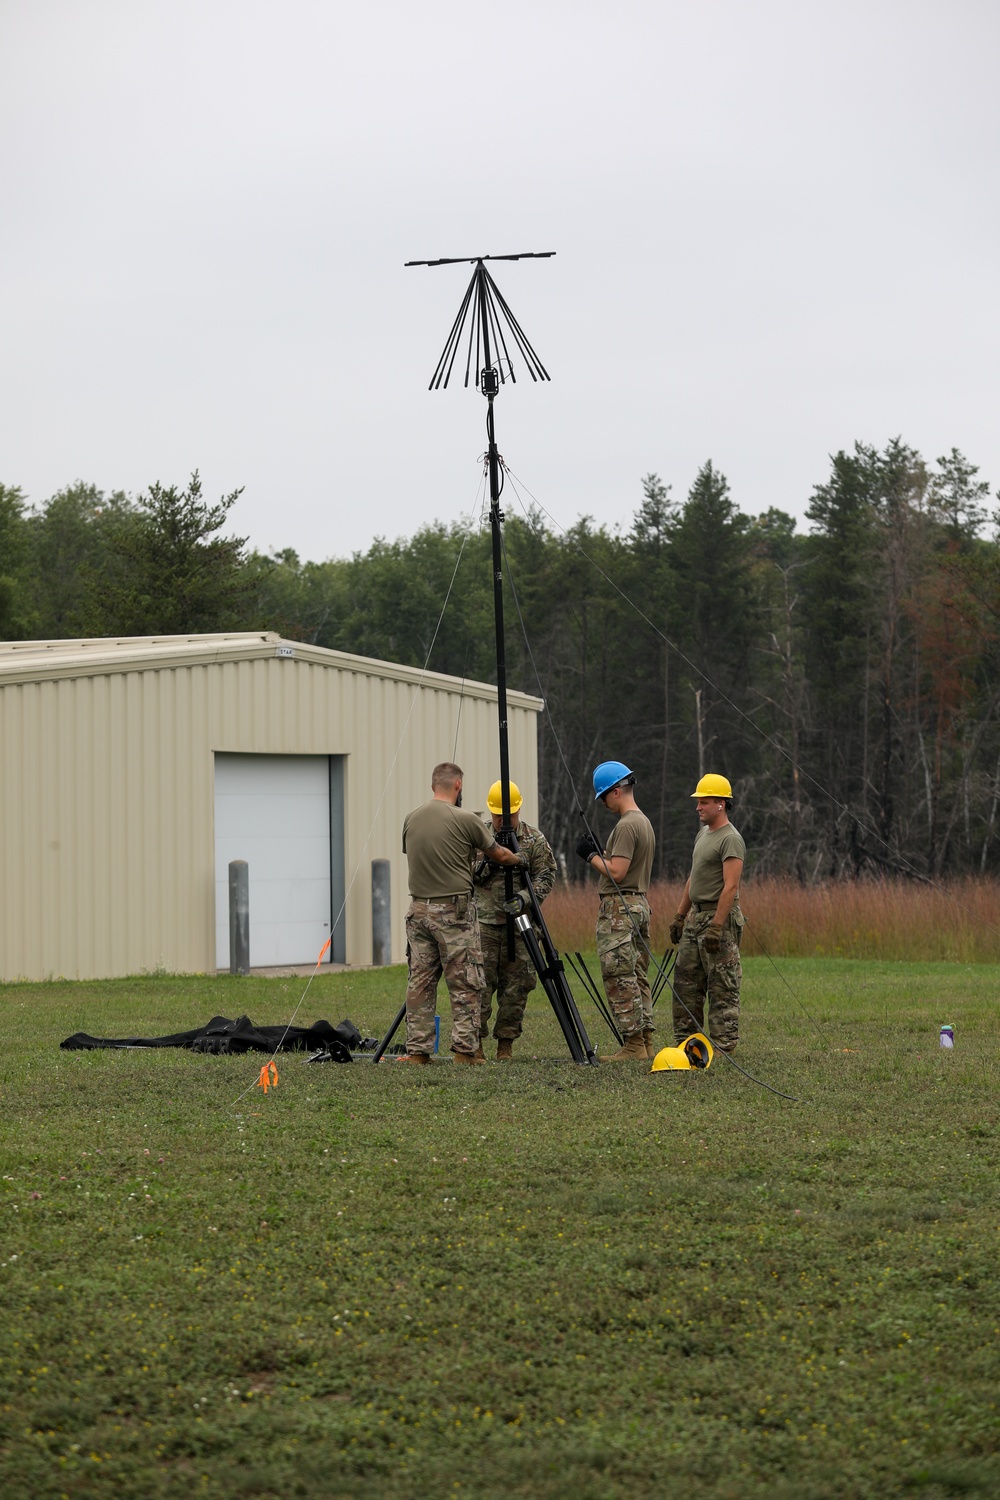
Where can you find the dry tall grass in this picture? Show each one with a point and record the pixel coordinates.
(958, 921)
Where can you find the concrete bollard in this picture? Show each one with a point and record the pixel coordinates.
(239, 917)
(381, 913)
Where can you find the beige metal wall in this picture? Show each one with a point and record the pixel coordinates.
(106, 793)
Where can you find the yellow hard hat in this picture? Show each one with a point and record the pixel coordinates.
(712, 786)
(494, 799)
(695, 1053)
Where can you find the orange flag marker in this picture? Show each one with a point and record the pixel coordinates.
(268, 1076)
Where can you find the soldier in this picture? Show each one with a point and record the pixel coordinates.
(442, 929)
(623, 918)
(709, 924)
(511, 979)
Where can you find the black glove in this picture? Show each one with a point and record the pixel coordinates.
(483, 872)
(587, 847)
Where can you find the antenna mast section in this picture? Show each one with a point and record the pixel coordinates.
(491, 323)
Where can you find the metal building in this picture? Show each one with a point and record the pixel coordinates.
(133, 771)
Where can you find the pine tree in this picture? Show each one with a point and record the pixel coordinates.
(17, 608)
(164, 571)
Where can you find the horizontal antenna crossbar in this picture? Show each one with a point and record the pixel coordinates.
(461, 260)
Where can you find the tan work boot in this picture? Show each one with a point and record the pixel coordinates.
(633, 1049)
(420, 1058)
(647, 1037)
(505, 1049)
(479, 1055)
(470, 1059)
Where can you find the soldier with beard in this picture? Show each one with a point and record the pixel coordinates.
(440, 842)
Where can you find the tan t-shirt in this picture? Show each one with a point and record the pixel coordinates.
(633, 838)
(440, 841)
(710, 849)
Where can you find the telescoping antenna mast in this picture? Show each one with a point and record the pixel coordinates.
(493, 331)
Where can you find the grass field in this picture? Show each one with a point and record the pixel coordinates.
(526, 1281)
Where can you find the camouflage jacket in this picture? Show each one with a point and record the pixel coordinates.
(489, 884)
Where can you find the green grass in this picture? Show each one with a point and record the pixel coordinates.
(532, 1281)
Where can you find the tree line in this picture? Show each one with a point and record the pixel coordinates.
(845, 679)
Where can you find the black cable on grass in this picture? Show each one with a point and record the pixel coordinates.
(661, 972)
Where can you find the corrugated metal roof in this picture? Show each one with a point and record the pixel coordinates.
(38, 661)
(110, 644)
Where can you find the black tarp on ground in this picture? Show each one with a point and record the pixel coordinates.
(221, 1035)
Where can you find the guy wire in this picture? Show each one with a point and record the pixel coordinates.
(378, 809)
(780, 749)
(664, 977)
(468, 637)
(571, 609)
(653, 959)
(705, 678)
(812, 1020)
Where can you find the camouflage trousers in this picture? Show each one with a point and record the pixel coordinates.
(442, 938)
(623, 950)
(713, 977)
(510, 979)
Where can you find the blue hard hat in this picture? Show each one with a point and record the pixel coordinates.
(607, 775)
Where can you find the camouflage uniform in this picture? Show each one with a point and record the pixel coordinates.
(623, 949)
(713, 976)
(442, 928)
(511, 980)
(623, 925)
(442, 938)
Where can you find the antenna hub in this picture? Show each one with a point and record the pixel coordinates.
(489, 382)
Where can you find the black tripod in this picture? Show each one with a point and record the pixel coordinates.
(487, 314)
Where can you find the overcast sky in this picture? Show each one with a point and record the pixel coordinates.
(776, 225)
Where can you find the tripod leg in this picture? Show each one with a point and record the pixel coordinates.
(556, 1000)
(550, 970)
(377, 1057)
(593, 990)
(578, 1022)
(560, 995)
(666, 964)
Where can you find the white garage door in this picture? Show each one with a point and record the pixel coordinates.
(274, 812)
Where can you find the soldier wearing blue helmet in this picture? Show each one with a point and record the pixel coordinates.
(624, 868)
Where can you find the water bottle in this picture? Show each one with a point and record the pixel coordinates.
(947, 1036)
